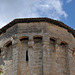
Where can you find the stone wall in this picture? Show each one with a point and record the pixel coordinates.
(38, 48)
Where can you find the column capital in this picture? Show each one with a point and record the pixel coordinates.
(57, 44)
(30, 42)
(14, 39)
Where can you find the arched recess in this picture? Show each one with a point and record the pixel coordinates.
(52, 40)
(63, 43)
(8, 50)
(8, 55)
(37, 39)
(24, 38)
(8, 44)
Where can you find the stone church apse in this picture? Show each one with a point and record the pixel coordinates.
(37, 46)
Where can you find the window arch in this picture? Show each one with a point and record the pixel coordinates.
(8, 44)
(63, 43)
(52, 40)
(37, 39)
(24, 38)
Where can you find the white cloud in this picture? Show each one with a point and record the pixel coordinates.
(68, 1)
(12, 9)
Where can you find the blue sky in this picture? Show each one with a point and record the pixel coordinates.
(62, 10)
(69, 8)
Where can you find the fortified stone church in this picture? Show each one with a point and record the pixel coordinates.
(37, 46)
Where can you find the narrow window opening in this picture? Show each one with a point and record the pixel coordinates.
(8, 44)
(27, 59)
(0, 51)
(25, 39)
(37, 39)
(52, 40)
(63, 44)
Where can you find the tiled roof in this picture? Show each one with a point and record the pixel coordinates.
(28, 20)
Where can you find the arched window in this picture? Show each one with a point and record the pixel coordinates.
(8, 44)
(52, 40)
(8, 50)
(24, 38)
(37, 39)
(63, 43)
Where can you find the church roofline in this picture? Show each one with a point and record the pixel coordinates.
(28, 20)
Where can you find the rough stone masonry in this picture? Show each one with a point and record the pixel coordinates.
(37, 46)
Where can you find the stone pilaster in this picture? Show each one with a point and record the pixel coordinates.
(15, 56)
(30, 42)
(57, 44)
(7, 66)
(3, 52)
(31, 55)
(46, 56)
(22, 63)
(61, 58)
(67, 60)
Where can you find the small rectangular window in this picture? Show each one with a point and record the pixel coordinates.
(27, 56)
(0, 51)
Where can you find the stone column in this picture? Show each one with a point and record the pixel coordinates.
(15, 56)
(31, 56)
(61, 58)
(36, 55)
(3, 54)
(7, 56)
(22, 63)
(67, 60)
(57, 44)
(46, 56)
(58, 57)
